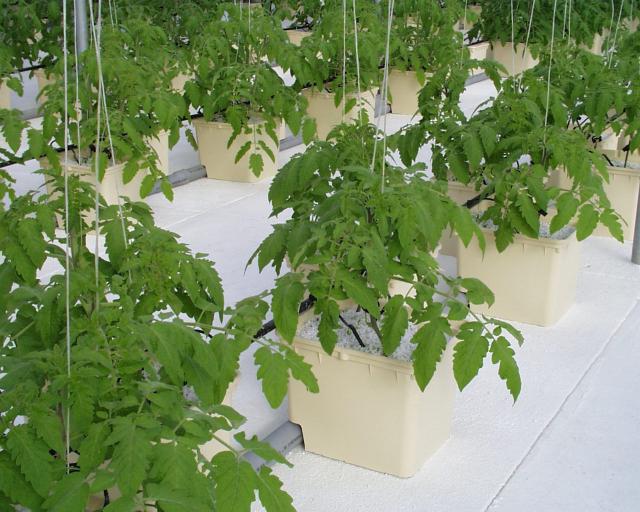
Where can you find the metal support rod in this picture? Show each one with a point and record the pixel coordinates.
(635, 251)
(82, 25)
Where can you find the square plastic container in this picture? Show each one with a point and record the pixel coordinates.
(370, 411)
(534, 280)
(514, 62)
(322, 108)
(219, 161)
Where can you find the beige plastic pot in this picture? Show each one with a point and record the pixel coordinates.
(111, 187)
(178, 82)
(160, 144)
(597, 47)
(322, 108)
(534, 281)
(465, 24)
(404, 89)
(296, 36)
(516, 61)
(370, 411)
(43, 81)
(219, 161)
(5, 97)
(460, 193)
(622, 190)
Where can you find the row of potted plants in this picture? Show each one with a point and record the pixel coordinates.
(151, 366)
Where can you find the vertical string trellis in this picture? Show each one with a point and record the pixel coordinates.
(612, 49)
(67, 259)
(553, 34)
(344, 58)
(385, 95)
(355, 35)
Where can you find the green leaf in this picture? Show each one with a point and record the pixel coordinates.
(612, 222)
(274, 373)
(123, 504)
(567, 207)
(469, 353)
(309, 130)
(488, 137)
(235, 483)
(587, 221)
(166, 188)
(287, 296)
(431, 343)
(243, 151)
(171, 500)
(477, 291)
(328, 326)
(69, 495)
(263, 450)
(394, 324)
(473, 149)
(529, 212)
(115, 242)
(32, 455)
(14, 485)
(272, 497)
(48, 427)
(130, 456)
(375, 263)
(502, 354)
(93, 447)
(357, 289)
(256, 164)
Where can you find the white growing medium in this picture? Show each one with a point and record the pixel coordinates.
(545, 232)
(346, 338)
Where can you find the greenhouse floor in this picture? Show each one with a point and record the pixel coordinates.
(571, 441)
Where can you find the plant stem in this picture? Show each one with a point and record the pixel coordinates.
(374, 325)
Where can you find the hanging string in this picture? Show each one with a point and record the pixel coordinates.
(569, 21)
(464, 30)
(67, 260)
(513, 38)
(553, 34)
(526, 41)
(355, 32)
(615, 36)
(97, 40)
(564, 20)
(344, 58)
(613, 17)
(385, 86)
(78, 105)
(385, 95)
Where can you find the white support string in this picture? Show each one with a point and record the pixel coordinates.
(77, 106)
(513, 38)
(613, 17)
(344, 58)
(67, 260)
(564, 20)
(615, 36)
(355, 32)
(385, 95)
(526, 41)
(553, 34)
(569, 20)
(97, 36)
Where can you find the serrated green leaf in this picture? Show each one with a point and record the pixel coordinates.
(32, 455)
(130, 456)
(93, 447)
(256, 164)
(235, 483)
(469, 354)
(394, 324)
(272, 497)
(263, 450)
(287, 296)
(587, 221)
(503, 354)
(430, 345)
(69, 494)
(309, 130)
(274, 374)
(357, 289)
